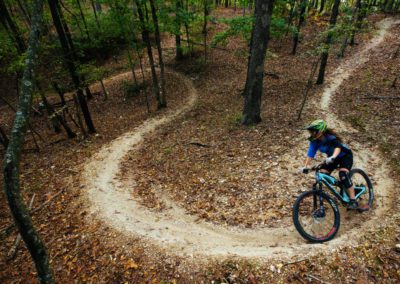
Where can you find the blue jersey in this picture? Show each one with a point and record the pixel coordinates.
(327, 146)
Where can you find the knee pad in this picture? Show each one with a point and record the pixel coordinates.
(345, 179)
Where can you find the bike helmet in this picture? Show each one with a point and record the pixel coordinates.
(316, 129)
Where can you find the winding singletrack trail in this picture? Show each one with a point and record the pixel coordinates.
(173, 229)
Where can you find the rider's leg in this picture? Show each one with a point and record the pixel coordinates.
(346, 181)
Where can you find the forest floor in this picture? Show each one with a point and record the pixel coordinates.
(200, 172)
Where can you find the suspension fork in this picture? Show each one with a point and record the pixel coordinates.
(317, 187)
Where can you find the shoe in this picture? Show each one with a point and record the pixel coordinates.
(353, 205)
(363, 208)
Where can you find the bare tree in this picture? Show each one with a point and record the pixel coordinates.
(328, 41)
(12, 157)
(255, 71)
(160, 56)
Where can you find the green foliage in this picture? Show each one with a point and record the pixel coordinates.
(8, 53)
(238, 26)
(10, 61)
(115, 28)
(91, 73)
(242, 27)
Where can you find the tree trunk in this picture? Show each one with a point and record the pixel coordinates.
(56, 118)
(95, 13)
(72, 15)
(24, 12)
(160, 56)
(321, 8)
(357, 25)
(7, 20)
(303, 7)
(179, 52)
(98, 6)
(389, 6)
(290, 15)
(205, 28)
(146, 40)
(83, 18)
(50, 114)
(12, 157)
(69, 60)
(66, 29)
(255, 72)
(328, 41)
(3, 138)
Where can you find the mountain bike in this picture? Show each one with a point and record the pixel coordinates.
(316, 214)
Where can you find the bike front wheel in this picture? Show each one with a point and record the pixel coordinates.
(316, 216)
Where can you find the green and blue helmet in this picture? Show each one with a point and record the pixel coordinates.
(316, 128)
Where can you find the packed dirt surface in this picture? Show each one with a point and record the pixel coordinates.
(170, 226)
(194, 169)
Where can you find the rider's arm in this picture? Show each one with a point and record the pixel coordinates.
(312, 151)
(336, 152)
(308, 162)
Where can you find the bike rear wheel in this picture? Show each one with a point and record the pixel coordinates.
(316, 216)
(361, 183)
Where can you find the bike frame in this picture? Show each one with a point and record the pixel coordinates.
(330, 182)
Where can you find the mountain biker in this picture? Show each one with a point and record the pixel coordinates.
(339, 156)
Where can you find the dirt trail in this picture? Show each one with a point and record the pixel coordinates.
(112, 202)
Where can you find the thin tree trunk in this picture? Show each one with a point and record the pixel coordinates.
(69, 58)
(33, 131)
(56, 118)
(146, 40)
(69, 12)
(132, 67)
(255, 73)
(4, 13)
(98, 6)
(160, 55)
(290, 16)
(50, 114)
(83, 18)
(95, 13)
(60, 93)
(205, 27)
(308, 87)
(3, 138)
(179, 52)
(104, 89)
(190, 47)
(353, 23)
(78, 109)
(12, 157)
(321, 8)
(25, 13)
(357, 25)
(303, 7)
(343, 47)
(328, 41)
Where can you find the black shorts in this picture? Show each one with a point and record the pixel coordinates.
(343, 162)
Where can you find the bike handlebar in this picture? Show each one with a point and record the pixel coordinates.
(317, 167)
